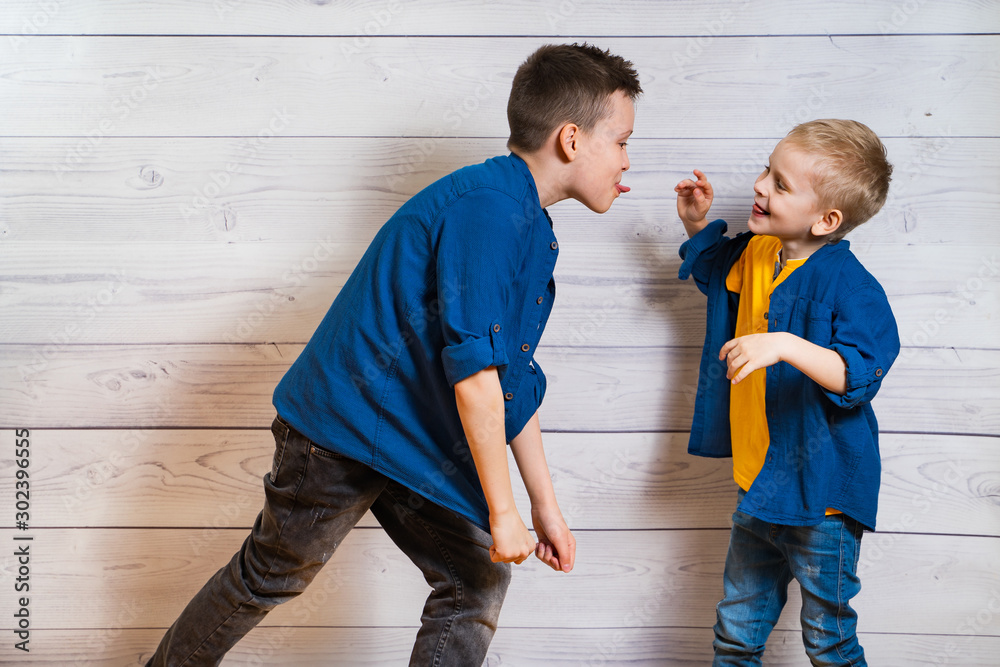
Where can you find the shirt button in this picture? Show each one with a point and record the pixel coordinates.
(554, 245)
(508, 396)
(878, 372)
(765, 315)
(526, 347)
(539, 300)
(496, 328)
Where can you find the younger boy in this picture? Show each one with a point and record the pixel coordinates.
(804, 335)
(422, 370)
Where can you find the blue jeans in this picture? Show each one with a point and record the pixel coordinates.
(313, 497)
(763, 558)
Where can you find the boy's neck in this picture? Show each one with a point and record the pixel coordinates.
(792, 249)
(544, 170)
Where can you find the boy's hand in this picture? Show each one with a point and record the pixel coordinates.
(694, 199)
(512, 543)
(556, 544)
(746, 354)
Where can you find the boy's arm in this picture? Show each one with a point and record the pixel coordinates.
(481, 409)
(694, 199)
(556, 544)
(746, 354)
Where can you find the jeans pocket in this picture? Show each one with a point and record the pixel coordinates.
(279, 429)
(326, 453)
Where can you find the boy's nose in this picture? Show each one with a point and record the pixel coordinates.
(625, 163)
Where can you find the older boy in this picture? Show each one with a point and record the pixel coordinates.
(422, 370)
(805, 335)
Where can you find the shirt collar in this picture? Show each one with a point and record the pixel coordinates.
(522, 168)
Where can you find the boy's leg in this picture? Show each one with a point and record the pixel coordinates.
(755, 586)
(460, 615)
(312, 500)
(824, 560)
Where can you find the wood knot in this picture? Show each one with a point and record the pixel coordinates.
(147, 179)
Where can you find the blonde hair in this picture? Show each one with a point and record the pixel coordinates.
(853, 172)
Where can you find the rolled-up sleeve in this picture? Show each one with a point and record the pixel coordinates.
(866, 337)
(479, 253)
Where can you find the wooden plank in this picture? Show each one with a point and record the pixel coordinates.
(608, 295)
(591, 647)
(226, 86)
(211, 479)
(590, 389)
(642, 578)
(112, 190)
(24, 18)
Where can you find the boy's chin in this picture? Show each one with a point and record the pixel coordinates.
(597, 207)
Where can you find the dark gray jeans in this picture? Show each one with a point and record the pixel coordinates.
(313, 498)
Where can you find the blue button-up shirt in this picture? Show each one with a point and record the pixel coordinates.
(823, 449)
(459, 279)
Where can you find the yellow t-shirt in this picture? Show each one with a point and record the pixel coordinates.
(754, 277)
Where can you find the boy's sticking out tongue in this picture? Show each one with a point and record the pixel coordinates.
(622, 189)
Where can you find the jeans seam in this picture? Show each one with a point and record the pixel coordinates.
(840, 596)
(457, 581)
(270, 565)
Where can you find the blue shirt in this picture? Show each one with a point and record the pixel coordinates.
(823, 449)
(459, 279)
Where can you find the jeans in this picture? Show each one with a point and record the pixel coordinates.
(313, 497)
(763, 558)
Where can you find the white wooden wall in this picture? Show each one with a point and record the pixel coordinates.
(184, 186)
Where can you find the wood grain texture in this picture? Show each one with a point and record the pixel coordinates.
(516, 647)
(211, 479)
(405, 17)
(641, 578)
(112, 190)
(620, 295)
(171, 169)
(589, 389)
(226, 86)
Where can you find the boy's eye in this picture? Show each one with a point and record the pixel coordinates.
(623, 144)
(779, 185)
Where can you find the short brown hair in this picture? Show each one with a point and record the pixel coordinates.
(853, 173)
(563, 83)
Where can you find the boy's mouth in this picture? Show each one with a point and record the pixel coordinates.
(759, 211)
(622, 189)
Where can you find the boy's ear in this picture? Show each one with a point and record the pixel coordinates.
(567, 141)
(829, 223)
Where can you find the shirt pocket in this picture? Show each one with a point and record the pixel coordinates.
(813, 321)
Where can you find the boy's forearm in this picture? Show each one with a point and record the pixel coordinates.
(530, 457)
(823, 365)
(692, 228)
(481, 409)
